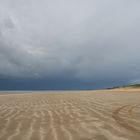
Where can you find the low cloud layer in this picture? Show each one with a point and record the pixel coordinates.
(90, 41)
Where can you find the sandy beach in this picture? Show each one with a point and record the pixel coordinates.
(79, 115)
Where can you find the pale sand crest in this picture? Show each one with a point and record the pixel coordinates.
(88, 115)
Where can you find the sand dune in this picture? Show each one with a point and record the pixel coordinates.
(91, 115)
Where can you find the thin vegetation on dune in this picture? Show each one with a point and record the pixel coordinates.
(126, 86)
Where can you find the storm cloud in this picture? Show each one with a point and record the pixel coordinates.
(91, 43)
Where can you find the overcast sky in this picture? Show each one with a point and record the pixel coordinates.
(69, 44)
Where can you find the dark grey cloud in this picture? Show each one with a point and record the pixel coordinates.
(86, 42)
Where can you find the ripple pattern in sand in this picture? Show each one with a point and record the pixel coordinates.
(69, 116)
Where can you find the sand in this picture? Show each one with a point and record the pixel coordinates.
(88, 115)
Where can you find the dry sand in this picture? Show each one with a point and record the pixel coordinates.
(88, 115)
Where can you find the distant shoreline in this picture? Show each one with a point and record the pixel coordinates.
(115, 90)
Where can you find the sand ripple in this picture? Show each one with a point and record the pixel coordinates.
(70, 116)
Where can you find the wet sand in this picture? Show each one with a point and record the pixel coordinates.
(85, 115)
